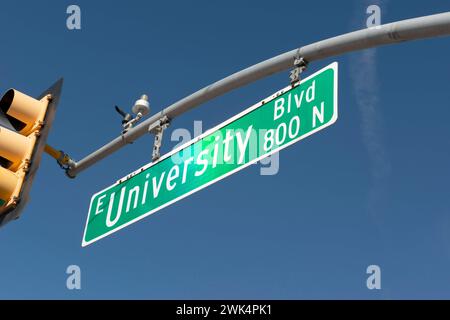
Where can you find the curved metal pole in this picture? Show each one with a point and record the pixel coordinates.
(405, 30)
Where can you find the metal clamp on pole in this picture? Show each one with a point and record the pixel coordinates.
(158, 128)
(300, 65)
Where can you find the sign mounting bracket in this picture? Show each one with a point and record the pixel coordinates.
(157, 129)
(300, 65)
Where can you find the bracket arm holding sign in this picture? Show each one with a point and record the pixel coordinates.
(300, 65)
(157, 129)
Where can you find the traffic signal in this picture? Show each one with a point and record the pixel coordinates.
(24, 126)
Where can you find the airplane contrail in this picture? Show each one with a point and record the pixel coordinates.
(363, 72)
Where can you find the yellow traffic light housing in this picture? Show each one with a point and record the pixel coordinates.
(24, 126)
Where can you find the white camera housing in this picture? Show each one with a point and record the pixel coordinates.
(141, 106)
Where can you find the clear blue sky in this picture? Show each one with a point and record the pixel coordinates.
(371, 189)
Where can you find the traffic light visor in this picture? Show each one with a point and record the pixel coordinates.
(22, 111)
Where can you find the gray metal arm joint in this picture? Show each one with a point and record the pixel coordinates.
(66, 163)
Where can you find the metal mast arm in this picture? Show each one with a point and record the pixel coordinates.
(400, 31)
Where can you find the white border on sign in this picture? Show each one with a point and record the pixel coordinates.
(333, 66)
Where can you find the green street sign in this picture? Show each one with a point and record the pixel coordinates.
(276, 122)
